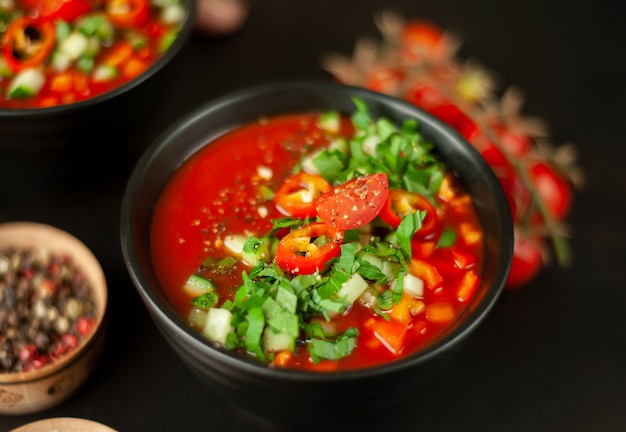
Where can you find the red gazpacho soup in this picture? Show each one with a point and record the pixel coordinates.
(318, 241)
(56, 52)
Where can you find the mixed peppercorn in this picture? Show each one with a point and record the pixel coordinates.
(46, 308)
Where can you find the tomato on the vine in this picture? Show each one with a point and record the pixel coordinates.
(425, 96)
(515, 143)
(527, 261)
(354, 203)
(453, 116)
(384, 79)
(554, 189)
(420, 39)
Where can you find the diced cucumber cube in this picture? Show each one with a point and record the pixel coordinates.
(234, 244)
(370, 143)
(197, 318)
(93, 46)
(330, 122)
(60, 61)
(256, 250)
(390, 269)
(173, 14)
(75, 45)
(217, 326)
(276, 342)
(373, 260)
(105, 73)
(26, 83)
(197, 285)
(352, 288)
(413, 285)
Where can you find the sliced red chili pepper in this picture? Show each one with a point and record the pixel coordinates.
(50, 10)
(354, 203)
(27, 43)
(128, 13)
(297, 252)
(401, 203)
(297, 194)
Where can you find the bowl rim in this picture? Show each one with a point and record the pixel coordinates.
(184, 32)
(71, 424)
(161, 308)
(28, 232)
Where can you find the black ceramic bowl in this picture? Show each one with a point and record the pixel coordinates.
(287, 396)
(98, 120)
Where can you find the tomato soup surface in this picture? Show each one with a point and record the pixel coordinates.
(385, 270)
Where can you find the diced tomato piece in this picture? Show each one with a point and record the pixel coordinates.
(391, 333)
(442, 312)
(283, 358)
(470, 234)
(463, 259)
(422, 248)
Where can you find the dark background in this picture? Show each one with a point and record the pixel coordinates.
(550, 357)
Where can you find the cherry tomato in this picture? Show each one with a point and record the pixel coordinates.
(452, 115)
(385, 79)
(27, 43)
(420, 39)
(401, 203)
(526, 262)
(516, 143)
(297, 194)
(425, 96)
(508, 178)
(553, 188)
(354, 203)
(66, 10)
(298, 253)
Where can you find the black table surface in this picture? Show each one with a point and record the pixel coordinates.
(550, 357)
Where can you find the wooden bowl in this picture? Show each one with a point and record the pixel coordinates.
(64, 424)
(56, 381)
